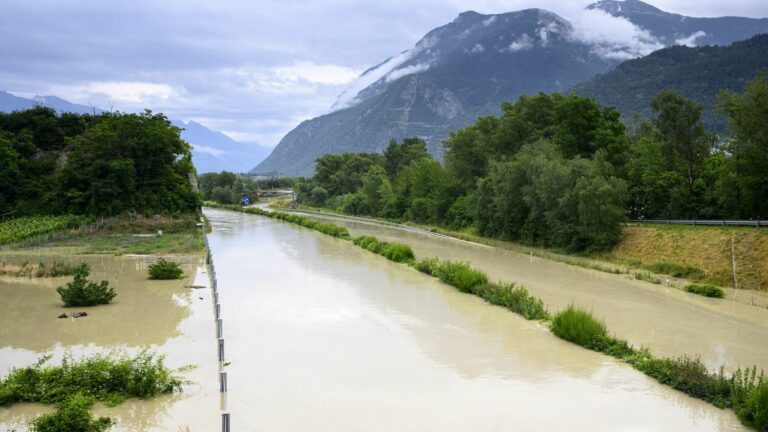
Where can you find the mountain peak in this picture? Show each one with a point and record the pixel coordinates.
(621, 7)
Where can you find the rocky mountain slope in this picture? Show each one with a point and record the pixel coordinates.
(466, 68)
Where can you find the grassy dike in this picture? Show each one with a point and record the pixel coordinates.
(745, 391)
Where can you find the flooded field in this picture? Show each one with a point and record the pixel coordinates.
(163, 316)
(324, 336)
(668, 321)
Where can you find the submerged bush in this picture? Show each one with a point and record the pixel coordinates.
(105, 379)
(578, 326)
(72, 415)
(56, 269)
(82, 292)
(513, 297)
(706, 290)
(165, 270)
(427, 265)
(459, 275)
(397, 252)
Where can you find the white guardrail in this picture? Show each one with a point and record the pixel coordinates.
(225, 425)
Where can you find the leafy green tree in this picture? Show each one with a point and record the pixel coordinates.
(542, 198)
(398, 156)
(343, 174)
(685, 143)
(9, 174)
(747, 114)
(376, 191)
(128, 162)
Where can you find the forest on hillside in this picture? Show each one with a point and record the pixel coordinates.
(93, 165)
(563, 171)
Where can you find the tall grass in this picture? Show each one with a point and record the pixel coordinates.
(578, 326)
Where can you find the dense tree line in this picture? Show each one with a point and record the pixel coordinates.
(230, 188)
(563, 171)
(226, 187)
(95, 165)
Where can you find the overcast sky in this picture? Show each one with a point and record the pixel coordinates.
(252, 69)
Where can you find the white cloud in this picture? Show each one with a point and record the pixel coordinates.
(408, 70)
(127, 92)
(317, 74)
(209, 150)
(612, 37)
(691, 40)
(489, 21)
(522, 43)
(348, 97)
(478, 48)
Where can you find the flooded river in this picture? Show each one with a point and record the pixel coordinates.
(324, 336)
(668, 321)
(163, 316)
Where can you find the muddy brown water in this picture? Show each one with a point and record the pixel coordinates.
(669, 321)
(162, 316)
(324, 336)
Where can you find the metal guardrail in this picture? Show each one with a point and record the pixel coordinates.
(225, 416)
(753, 223)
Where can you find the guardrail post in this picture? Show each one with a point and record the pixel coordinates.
(224, 422)
(223, 382)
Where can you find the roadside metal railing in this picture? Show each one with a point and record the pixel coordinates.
(225, 416)
(753, 223)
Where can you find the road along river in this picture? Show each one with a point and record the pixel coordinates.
(668, 321)
(324, 336)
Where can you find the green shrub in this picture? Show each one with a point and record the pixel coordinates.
(754, 411)
(82, 292)
(459, 275)
(677, 270)
(578, 326)
(165, 270)
(706, 290)
(513, 297)
(427, 265)
(397, 252)
(72, 415)
(613, 347)
(106, 379)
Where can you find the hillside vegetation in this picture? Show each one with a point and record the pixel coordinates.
(705, 248)
(698, 73)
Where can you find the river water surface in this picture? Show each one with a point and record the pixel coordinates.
(324, 336)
